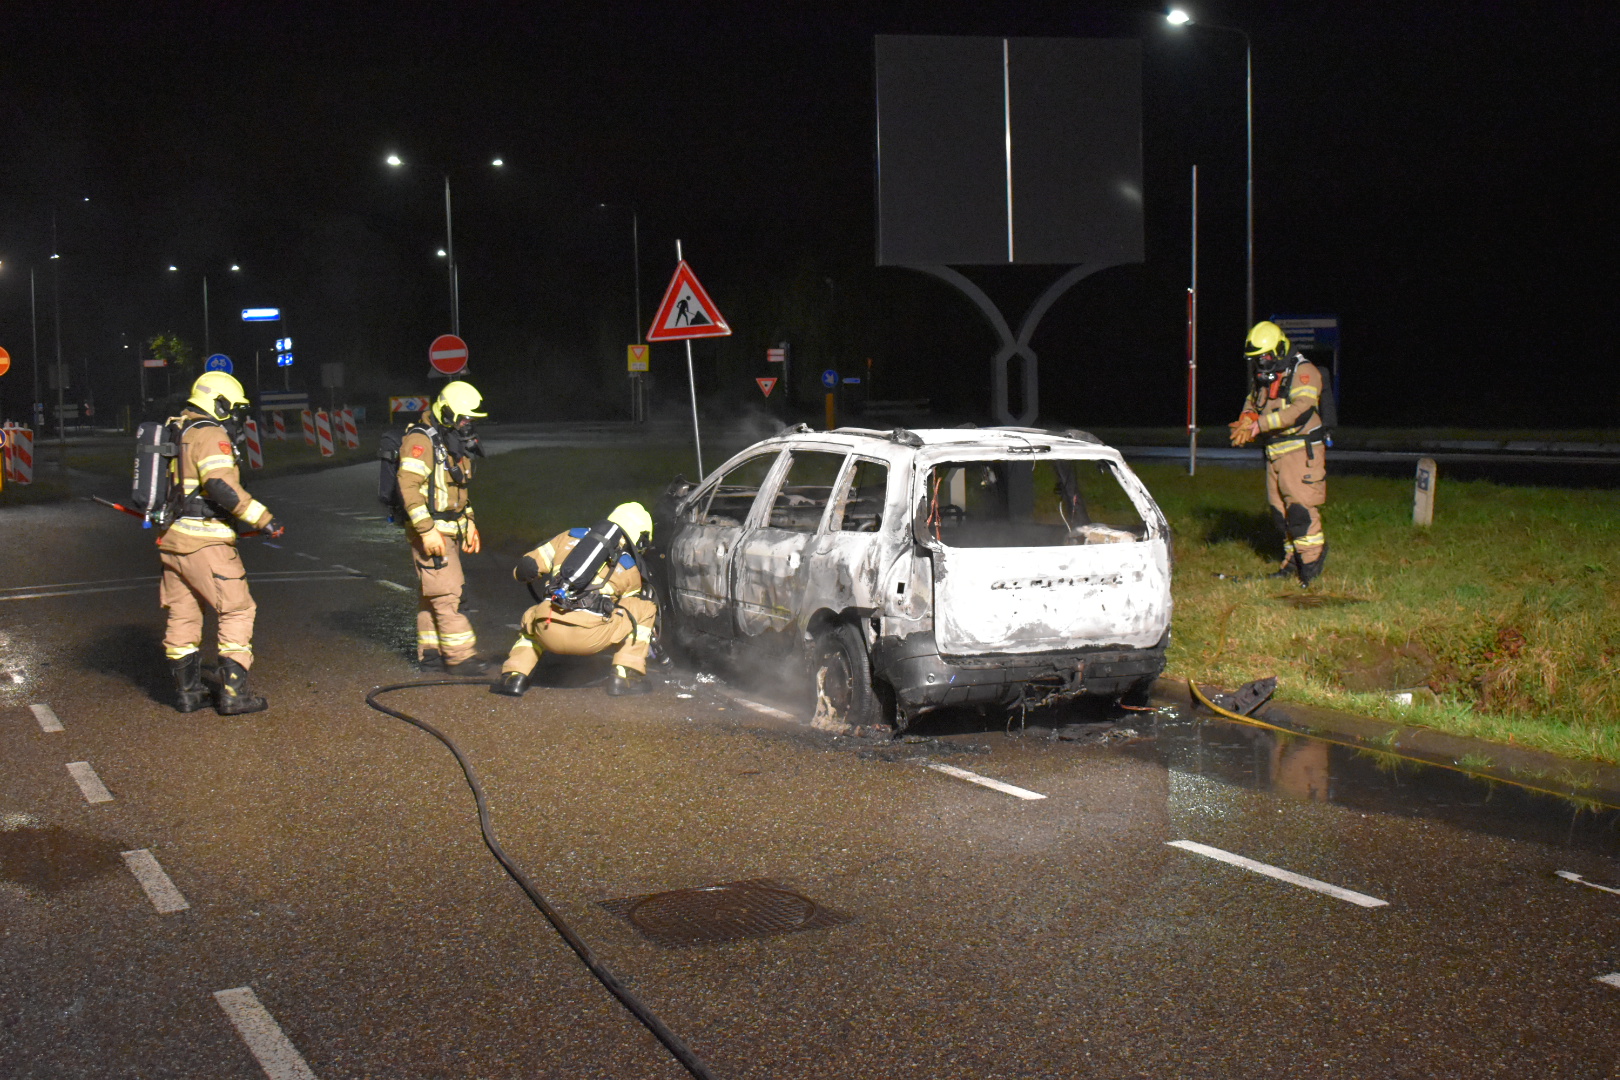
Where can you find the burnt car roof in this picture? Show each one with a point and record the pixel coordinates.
(989, 438)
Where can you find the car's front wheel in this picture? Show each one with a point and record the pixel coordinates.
(842, 671)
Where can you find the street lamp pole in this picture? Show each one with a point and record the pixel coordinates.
(450, 258)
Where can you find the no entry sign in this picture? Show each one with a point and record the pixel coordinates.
(447, 354)
(5, 361)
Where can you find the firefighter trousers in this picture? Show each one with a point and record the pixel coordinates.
(1296, 488)
(440, 625)
(585, 633)
(210, 577)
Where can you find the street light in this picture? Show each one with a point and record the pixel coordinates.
(448, 253)
(207, 340)
(1179, 17)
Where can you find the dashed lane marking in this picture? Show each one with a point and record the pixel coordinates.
(393, 585)
(89, 783)
(265, 1040)
(761, 708)
(347, 569)
(267, 543)
(46, 717)
(159, 889)
(148, 578)
(1570, 875)
(1348, 895)
(985, 781)
(307, 555)
(1609, 980)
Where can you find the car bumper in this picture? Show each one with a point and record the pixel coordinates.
(922, 679)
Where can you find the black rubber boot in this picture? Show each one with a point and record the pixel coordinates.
(1310, 571)
(234, 697)
(626, 683)
(1288, 569)
(430, 660)
(511, 683)
(189, 694)
(466, 669)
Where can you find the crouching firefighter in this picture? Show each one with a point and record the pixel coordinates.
(435, 466)
(589, 592)
(201, 567)
(1285, 414)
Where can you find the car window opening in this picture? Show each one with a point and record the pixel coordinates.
(806, 489)
(1046, 503)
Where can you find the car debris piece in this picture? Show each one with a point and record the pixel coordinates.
(1248, 697)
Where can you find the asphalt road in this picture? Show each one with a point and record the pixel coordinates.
(342, 916)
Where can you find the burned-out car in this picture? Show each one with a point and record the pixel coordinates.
(912, 570)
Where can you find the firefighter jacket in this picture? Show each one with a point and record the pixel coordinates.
(615, 581)
(1287, 408)
(205, 453)
(433, 483)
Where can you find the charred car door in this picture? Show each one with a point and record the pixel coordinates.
(709, 527)
(770, 571)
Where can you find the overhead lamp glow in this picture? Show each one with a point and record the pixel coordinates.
(171, 268)
(55, 256)
(235, 267)
(497, 163)
(1177, 17)
(441, 253)
(261, 314)
(393, 159)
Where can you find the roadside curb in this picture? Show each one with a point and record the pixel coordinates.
(1582, 780)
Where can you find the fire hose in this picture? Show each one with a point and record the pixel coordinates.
(672, 1042)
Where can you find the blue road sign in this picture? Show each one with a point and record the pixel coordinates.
(829, 379)
(218, 362)
(1309, 330)
(261, 314)
(284, 359)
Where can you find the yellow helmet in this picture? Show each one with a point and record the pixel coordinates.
(217, 394)
(633, 518)
(460, 399)
(1267, 337)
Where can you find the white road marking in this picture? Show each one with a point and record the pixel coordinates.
(985, 781)
(757, 707)
(1569, 875)
(307, 555)
(159, 889)
(75, 592)
(76, 584)
(267, 543)
(1611, 980)
(279, 575)
(394, 585)
(347, 569)
(46, 717)
(1359, 899)
(265, 1040)
(89, 783)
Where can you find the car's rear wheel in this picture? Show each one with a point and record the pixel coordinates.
(842, 672)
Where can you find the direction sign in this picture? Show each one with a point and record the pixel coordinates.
(407, 405)
(766, 385)
(261, 314)
(1309, 330)
(218, 362)
(448, 354)
(638, 358)
(5, 361)
(775, 356)
(686, 311)
(829, 379)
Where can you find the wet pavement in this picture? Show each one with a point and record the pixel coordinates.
(328, 858)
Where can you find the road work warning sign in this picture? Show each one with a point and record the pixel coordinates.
(686, 311)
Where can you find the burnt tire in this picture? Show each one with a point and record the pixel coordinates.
(841, 673)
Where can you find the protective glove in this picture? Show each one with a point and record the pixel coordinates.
(274, 529)
(432, 544)
(473, 541)
(527, 569)
(1244, 429)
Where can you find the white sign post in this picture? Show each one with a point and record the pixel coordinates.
(686, 313)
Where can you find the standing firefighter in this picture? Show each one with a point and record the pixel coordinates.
(590, 590)
(435, 464)
(1284, 413)
(201, 567)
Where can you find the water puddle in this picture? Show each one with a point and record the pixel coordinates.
(49, 858)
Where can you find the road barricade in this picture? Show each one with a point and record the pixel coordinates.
(278, 427)
(323, 432)
(255, 449)
(351, 434)
(19, 454)
(309, 426)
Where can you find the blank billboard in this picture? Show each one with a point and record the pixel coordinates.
(1008, 150)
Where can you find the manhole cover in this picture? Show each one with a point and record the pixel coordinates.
(727, 912)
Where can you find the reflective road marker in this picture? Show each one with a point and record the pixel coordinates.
(46, 717)
(1359, 899)
(89, 783)
(1569, 875)
(975, 778)
(265, 1040)
(1611, 980)
(393, 585)
(159, 889)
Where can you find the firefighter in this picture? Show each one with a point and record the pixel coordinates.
(201, 567)
(435, 465)
(591, 589)
(1282, 413)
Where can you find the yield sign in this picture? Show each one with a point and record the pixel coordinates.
(447, 354)
(687, 311)
(766, 385)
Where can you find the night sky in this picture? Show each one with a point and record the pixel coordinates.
(1440, 175)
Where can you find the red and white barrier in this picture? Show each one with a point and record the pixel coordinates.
(19, 454)
(351, 434)
(309, 427)
(278, 427)
(255, 449)
(323, 432)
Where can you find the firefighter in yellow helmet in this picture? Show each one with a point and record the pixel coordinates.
(1282, 413)
(435, 466)
(201, 567)
(589, 585)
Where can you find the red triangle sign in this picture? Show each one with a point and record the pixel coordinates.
(687, 311)
(766, 385)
